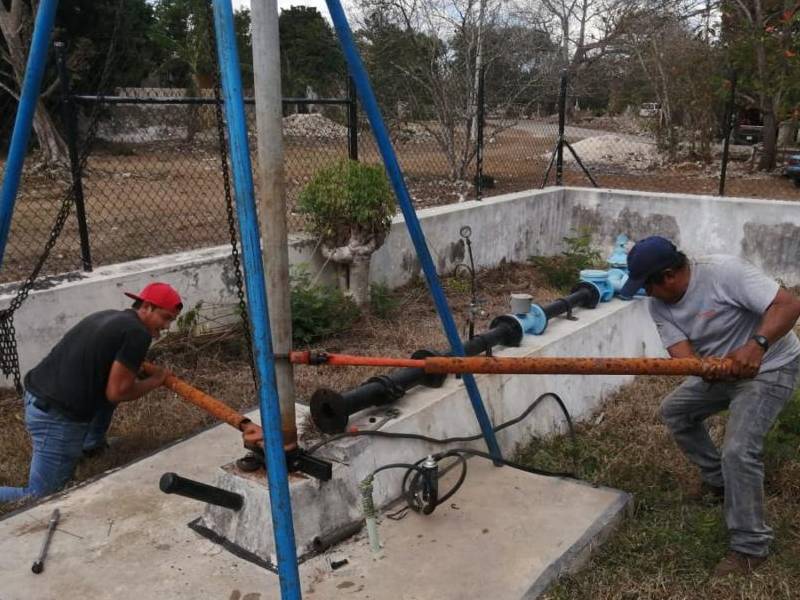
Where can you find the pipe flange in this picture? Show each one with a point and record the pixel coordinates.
(325, 411)
(513, 324)
(593, 296)
(431, 380)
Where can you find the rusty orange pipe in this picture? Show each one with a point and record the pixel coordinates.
(702, 367)
(191, 394)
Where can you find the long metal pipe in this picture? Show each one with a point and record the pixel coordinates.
(701, 367)
(392, 166)
(264, 359)
(28, 99)
(209, 404)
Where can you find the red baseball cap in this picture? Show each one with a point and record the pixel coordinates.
(161, 295)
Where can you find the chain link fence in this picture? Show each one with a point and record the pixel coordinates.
(153, 182)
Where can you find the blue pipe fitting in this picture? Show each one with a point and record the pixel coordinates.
(600, 280)
(534, 321)
(619, 256)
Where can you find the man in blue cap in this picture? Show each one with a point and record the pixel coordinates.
(721, 305)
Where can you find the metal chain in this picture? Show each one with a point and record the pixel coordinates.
(226, 183)
(9, 354)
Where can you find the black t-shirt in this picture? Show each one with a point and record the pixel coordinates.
(73, 377)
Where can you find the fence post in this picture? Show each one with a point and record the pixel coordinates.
(728, 128)
(69, 116)
(562, 116)
(352, 119)
(479, 141)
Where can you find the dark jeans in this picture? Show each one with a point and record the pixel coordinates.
(58, 442)
(754, 405)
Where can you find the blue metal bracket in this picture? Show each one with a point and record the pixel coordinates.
(370, 104)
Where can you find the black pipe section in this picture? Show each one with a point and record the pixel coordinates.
(584, 295)
(331, 410)
(171, 483)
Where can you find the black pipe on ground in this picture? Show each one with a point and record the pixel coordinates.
(172, 483)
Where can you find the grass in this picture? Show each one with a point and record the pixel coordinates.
(669, 545)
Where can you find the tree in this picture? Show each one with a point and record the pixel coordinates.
(16, 25)
(448, 41)
(762, 37)
(86, 27)
(350, 207)
(310, 54)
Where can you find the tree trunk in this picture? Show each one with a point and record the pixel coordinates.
(52, 145)
(359, 279)
(769, 156)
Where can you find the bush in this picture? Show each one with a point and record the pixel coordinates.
(562, 271)
(381, 300)
(318, 310)
(345, 196)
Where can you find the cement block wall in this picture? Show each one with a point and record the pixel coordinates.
(511, 227)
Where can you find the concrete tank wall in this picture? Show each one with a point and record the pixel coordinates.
(511, 227)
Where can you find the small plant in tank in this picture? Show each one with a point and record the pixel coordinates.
(350, 207)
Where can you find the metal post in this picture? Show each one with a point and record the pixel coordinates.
(562, 117)
(269, 115)
(28, 99)
(392, 166)
(352, 119)
(71, 129)
(277, 477)
(728, 128)
(479, 140)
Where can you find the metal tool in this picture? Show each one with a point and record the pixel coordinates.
(38, 564)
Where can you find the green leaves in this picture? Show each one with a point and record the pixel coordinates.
(562, 271)
(348, 198)
(318, 311)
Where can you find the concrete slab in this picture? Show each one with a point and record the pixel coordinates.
(505, 534)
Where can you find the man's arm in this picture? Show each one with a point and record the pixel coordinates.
(123, 386)
(779, 318)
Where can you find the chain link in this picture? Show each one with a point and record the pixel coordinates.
(9, 353)
(226, 183)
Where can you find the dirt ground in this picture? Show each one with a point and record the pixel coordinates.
(217, 364)
(157, 198)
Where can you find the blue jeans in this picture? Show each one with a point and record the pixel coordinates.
(754, 404)
(58, 443)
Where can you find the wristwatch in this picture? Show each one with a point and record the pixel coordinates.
(761, 341)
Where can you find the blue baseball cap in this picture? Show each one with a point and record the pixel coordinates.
(647, 257)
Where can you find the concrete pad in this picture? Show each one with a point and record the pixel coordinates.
(505, 534)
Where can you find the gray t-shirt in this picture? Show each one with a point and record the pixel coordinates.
(722, 307)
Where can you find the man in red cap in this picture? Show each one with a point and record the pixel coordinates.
(71, 394)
